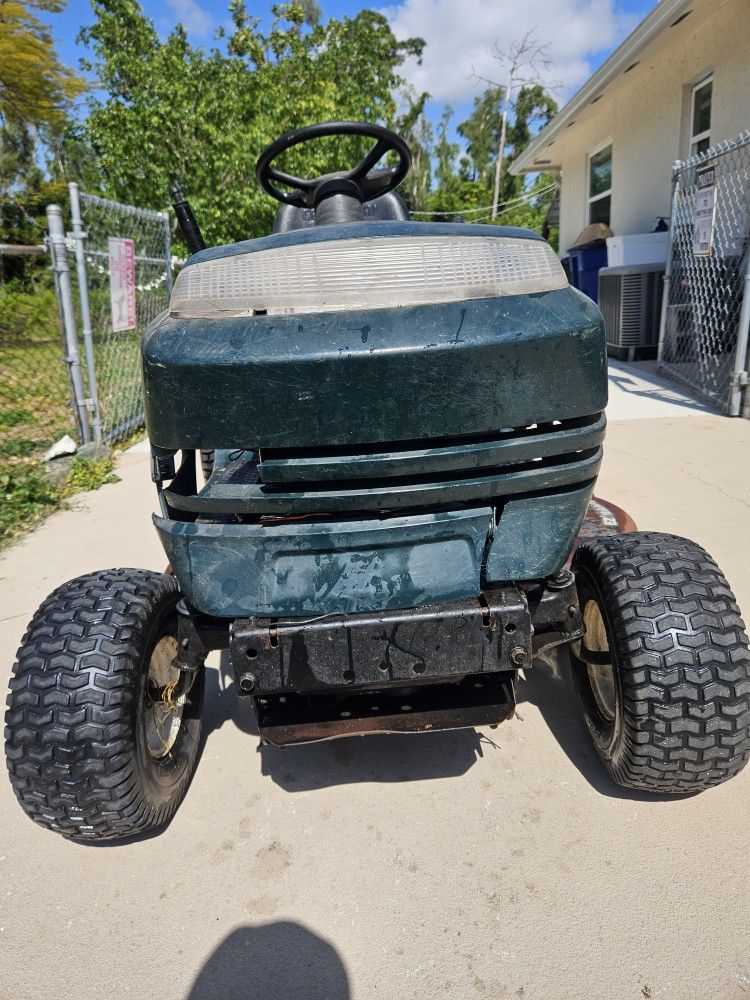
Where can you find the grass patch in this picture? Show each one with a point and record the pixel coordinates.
(88, 474)
(34, 383)
(20, 447)
(27, 496)
(135, 437)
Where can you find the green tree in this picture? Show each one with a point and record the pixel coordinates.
(454, 191)
(468, 190)
(446, 152)
(36, 95)
(416, 128)
(174, 110)
(35, 88)
(456, 197)
(25, 192)
(534, 106)
(481, 131)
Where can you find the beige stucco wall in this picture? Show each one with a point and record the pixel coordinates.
(646, 115)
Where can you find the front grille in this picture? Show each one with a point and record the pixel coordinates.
(305, 467)
(407, 476)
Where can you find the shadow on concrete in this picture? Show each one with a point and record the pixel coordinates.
(348, 760)
(549, 686)
(222, 704)
(278, 961)
(382, 758)
(630, 378)
(414, 756)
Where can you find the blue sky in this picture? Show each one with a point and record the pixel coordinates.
(580, 34)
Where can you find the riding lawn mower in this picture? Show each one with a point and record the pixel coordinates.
(374, 443)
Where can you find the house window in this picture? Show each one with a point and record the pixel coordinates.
(700, 128)
(600, 185)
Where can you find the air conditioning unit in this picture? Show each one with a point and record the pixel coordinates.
(630, 301)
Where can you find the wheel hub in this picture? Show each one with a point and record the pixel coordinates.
(601, 675)
(162, 711)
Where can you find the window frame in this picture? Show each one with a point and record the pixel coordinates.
(697, 137)
(592, 199)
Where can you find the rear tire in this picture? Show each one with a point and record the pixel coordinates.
(99, 745)
(671, 714)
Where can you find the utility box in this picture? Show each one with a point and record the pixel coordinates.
(641, 248)
(630, 301)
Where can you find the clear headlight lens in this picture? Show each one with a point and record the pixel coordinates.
(366, 274)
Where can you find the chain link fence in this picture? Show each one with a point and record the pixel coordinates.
(126, 274)
(706, 309)
(70, 329)
(35, 394)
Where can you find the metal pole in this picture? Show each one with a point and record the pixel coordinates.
(501, 146)
(59, 254)
(168, 252)
(676, 166)
(83, 293)
(740, 373)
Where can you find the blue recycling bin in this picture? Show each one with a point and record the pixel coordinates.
(585, 264)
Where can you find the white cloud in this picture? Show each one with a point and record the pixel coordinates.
(197, 21)
(459, 34)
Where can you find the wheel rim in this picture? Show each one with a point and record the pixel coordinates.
(162, 711)
(601, 676)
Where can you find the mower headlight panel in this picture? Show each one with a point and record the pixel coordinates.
(366, 274)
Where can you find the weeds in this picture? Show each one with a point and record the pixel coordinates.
(88, 474)
(27, 496)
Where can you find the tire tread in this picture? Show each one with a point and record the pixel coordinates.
(69, 741)
(683, 660)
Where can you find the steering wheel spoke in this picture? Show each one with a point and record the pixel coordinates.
(374, 157)
(304, 192)
(375, 184)
(281, 177)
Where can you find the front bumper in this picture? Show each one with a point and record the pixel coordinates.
(442, 666)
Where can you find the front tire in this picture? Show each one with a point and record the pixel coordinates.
(663, 672)
(99, 743)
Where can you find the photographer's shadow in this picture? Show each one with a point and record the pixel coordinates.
(277, 961)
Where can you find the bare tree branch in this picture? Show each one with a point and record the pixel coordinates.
(525, 63)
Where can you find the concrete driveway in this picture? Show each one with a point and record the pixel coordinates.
(497, 864)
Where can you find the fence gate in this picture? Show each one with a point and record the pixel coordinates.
(706, 309)
(122, 258)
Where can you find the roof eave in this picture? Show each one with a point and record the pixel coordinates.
(661, 17)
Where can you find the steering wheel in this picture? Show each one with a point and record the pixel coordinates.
(361, 182)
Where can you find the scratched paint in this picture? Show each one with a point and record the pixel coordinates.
(231, 570)
(373, 375)
(424, 375)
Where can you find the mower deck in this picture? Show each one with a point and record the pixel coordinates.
(480, 700)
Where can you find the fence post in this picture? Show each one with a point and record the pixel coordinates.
(668, 269)
(83, 293)
(59, 254)
(740, 373)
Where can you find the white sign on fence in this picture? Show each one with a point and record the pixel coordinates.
(122, 283)
(705, 209)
